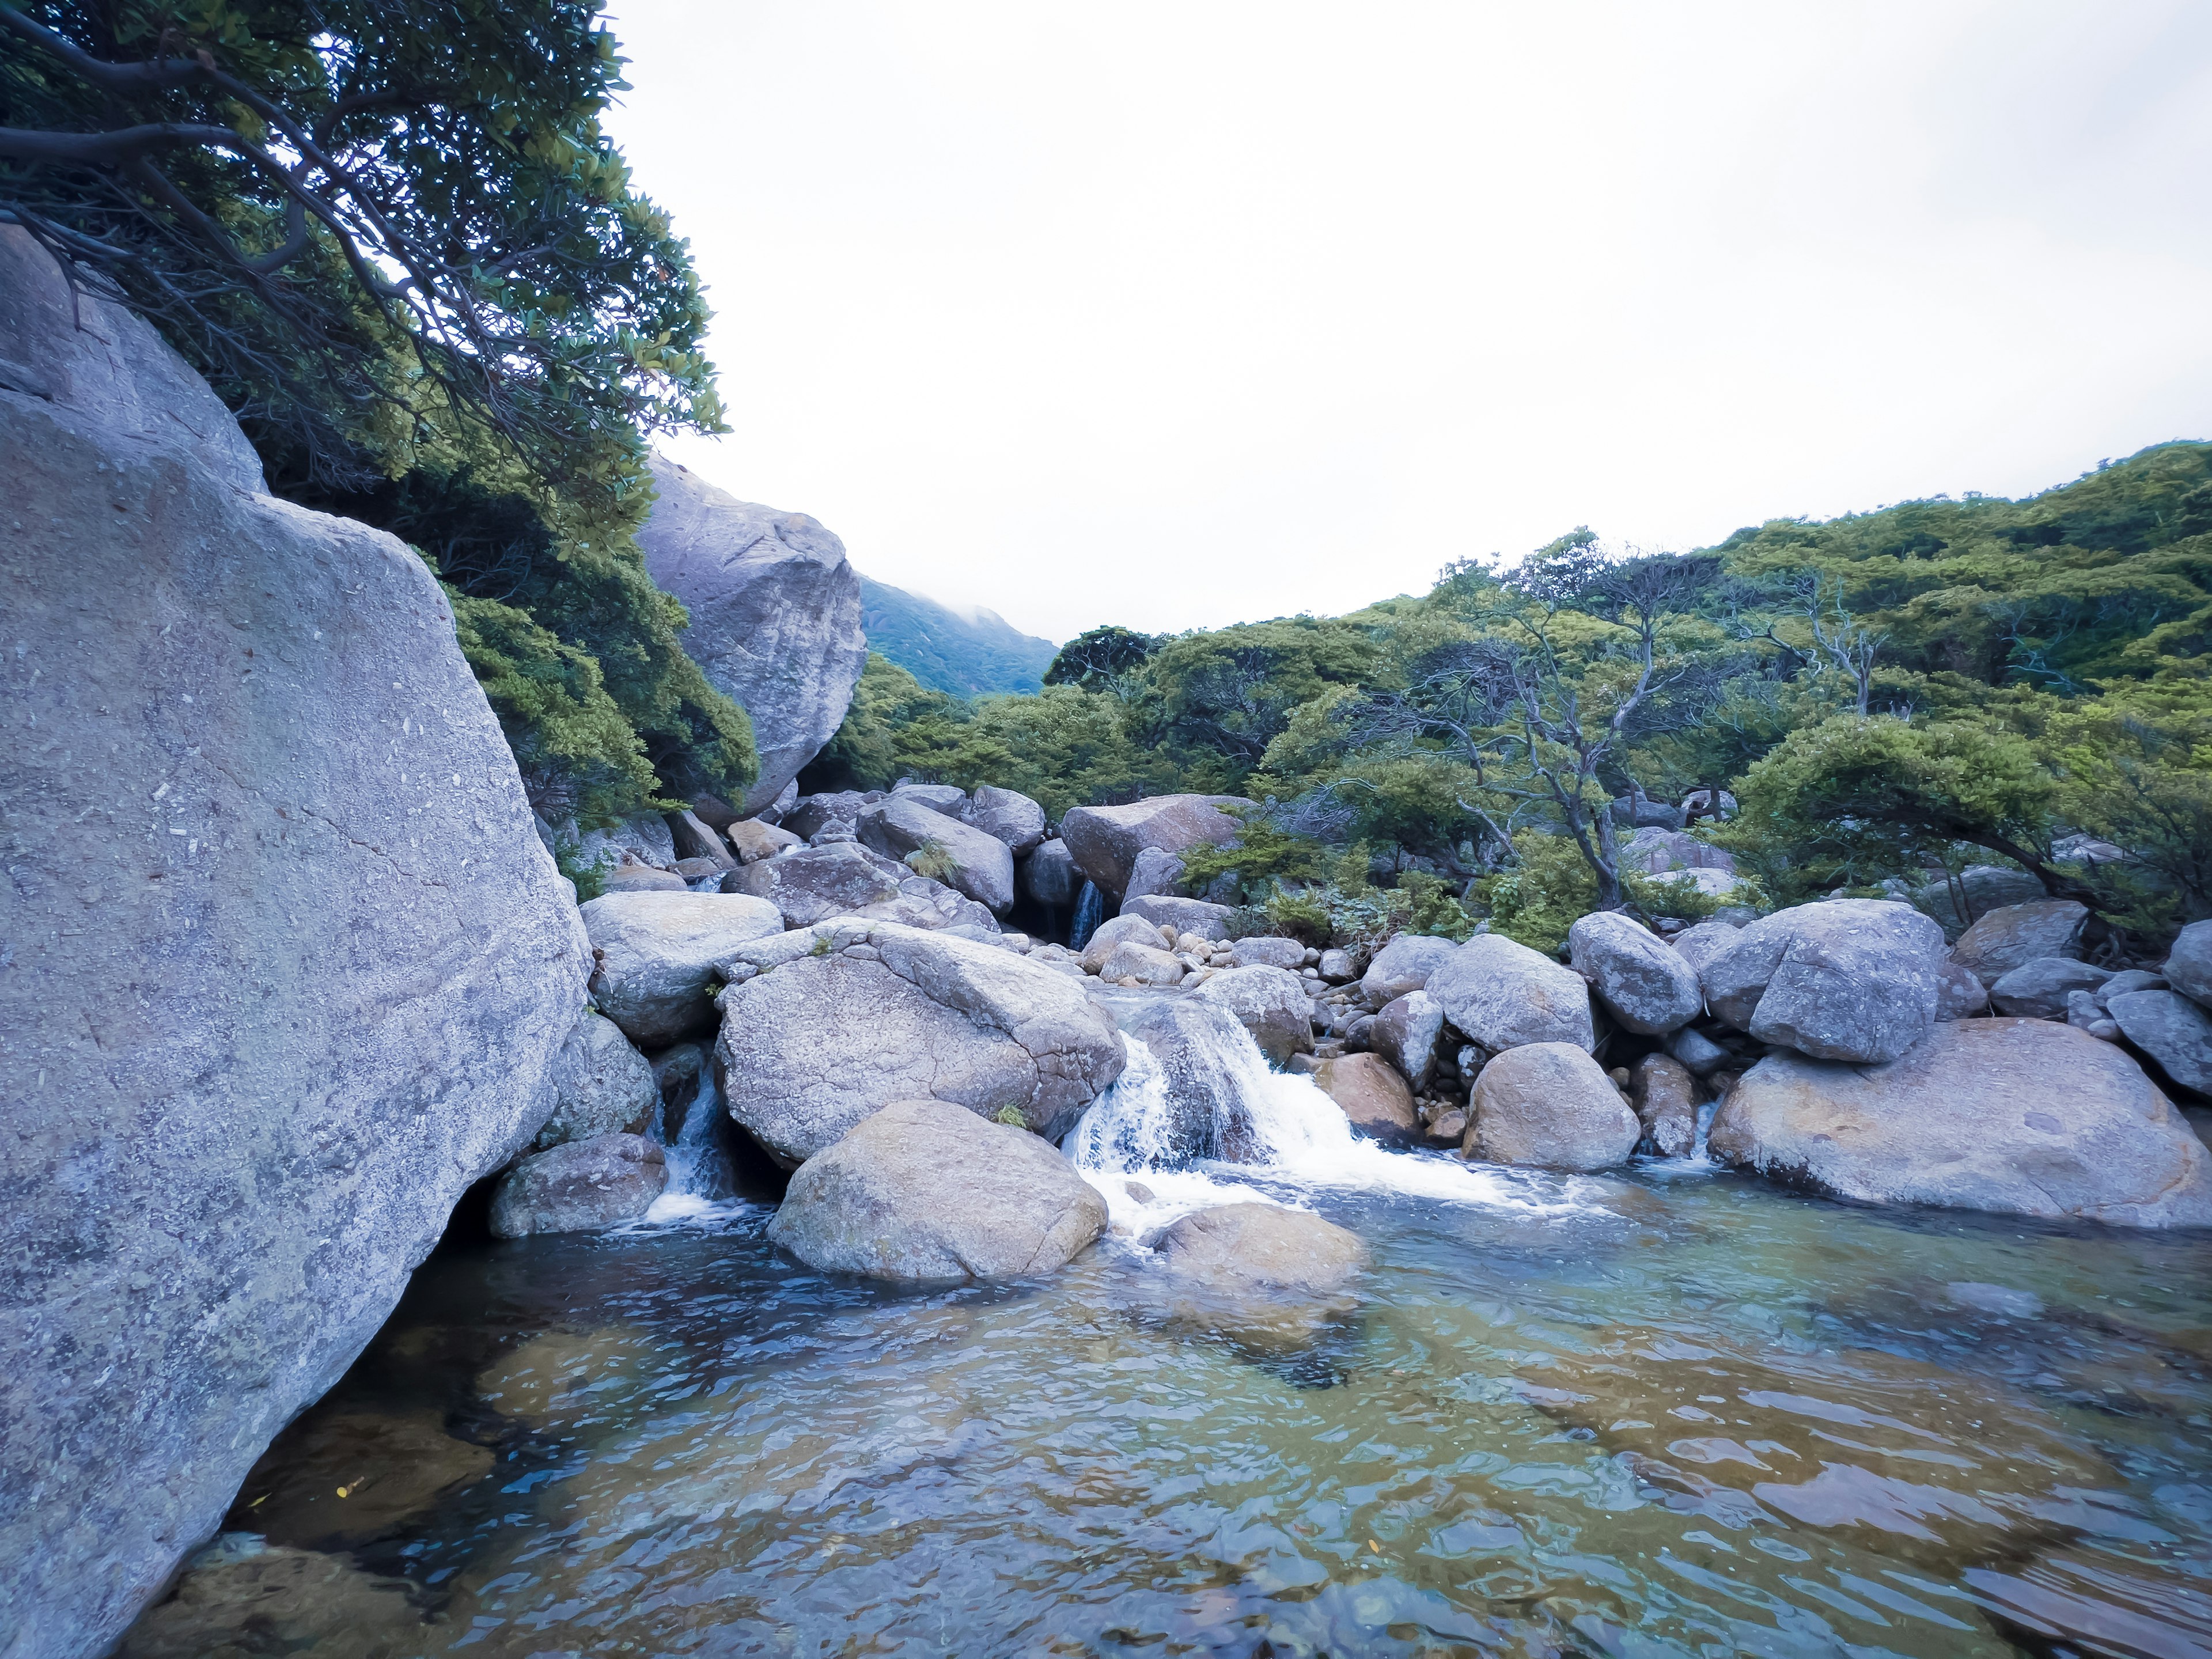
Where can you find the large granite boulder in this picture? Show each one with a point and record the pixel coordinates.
(1405, 1033)
(822, 1027)
(1843, 979)
(2013, 935)
(646, 840)
(1644, 982)
(1198, 1050)
(1271, 1003)
(812, 884)
(1116, 931)
(1372, 1096)
(1185, 915)
(287, 964)
(1402, 965)
(1106, 840)
(775, 615)
(922, 1190)
(1549, 1104)
(1050, 877)
(579, 1186)
(2038, 989)
(1982, 888)
(655, 953)
(1704, 942)
(1146, 964)
(601, 1085)
(1008, 814)
(945, 798)
(978, 866)
(2171, 1029)
(2019, 1116)
(1503, 994)
(2189, 964)
(828, 813)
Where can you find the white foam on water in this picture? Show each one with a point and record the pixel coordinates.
(1303, 1140)
(700, 1190)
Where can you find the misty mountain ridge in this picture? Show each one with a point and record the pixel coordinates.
(965, 653)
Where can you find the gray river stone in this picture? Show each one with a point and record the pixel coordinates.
(2020, 1116)
(2189, 964)
(656, 953)
(286, 963)
(2038, 989)
(923, 1190)
(2014, 934)
(1842, 979)
(601, 1085)
(1402, 965)
(1185, 915)
(1272, 1003)
(813, 885)
(1050, 877)
(1503, 994)
(775, 615)
(579, 1186)
(1105, 841)
(1550, 1105)
(1405, 1033)
(1644, 982)
(1008, 814)
(2171, 1029)
(967, 859)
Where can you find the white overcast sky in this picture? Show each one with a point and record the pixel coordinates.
(1175, 315)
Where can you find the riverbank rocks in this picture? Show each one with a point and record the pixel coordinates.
(1113, 931)
(1372, 1096)
(1196, 1045)
(755, 839)
(1959, 994)
(2013, 935)
(1402, 965)
(2171, 1029)
(2038, 989)
(601, 1085)
(1007, 814)
(2019, 1116)
(775, 615)
(287, 964)
(1147, 964)
(934, 844)
(1550, 1105)
(2189, 964)
(1843, 979)
(1666, 1097)
(831, 811)
(821, 1028)
(1268, 951)
(1503, 994)
(579, 1186)
(1185, 915)
(923, 1190)
(1644, 982)
(656, 954)
(1705, 941)
(1271, 1003)
(1105, 841)
(813, 885)
(1405, 1033)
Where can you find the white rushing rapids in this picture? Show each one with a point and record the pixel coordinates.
(700, 1185)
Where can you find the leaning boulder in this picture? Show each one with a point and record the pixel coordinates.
(2019, 1116)
(1106, 840)
(755, 839)
(1705, 941)
(2189, 964)
(1550, 1105)
(2038, 989)
(1503, 994)
(601, 1085)
(1008, 814)
(1644, 982)
(1666, 1097)
(934, 844)
(1402, 965)
(1271, 1003)
(656, 954)
(1405, 1033)
(775, 615)
(821, 1028)
(288, 963)
(579, 1186)
(1843, 979)
(829, 813)
(921, 1190)
(1372, 1096)
(2171, 1029)
(2016, 935)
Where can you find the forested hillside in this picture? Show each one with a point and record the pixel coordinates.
(1890, 694)
(945, 651)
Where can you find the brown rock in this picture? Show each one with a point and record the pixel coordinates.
(1666, 1097)
(1372, 1095)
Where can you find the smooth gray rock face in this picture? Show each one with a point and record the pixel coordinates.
(945, 798)
(1666, 1097)
(1118, 930)
(1263, 1249)
(1503, 994)
(775, 615)
(1644, 982)
(1550, 1105)
(2019, 1116)
(287, 964)
(1268, 1002)
(1185, 915)
(1368, 1090)
(817, 1041)
(1267, 952)
(815, 884)
(1697, 1051)
(1402, 965)
(1705, 941)
(2038, 989)
(1048, 876)
(656, 951)
(922, 1190)
(976, 865)
(1106, 840)
(579, 1186)
(1011, 815)
(2016, 935)
(601, 1085)
(1959, 994)
(1843, 979)
(1405, 1033)
(2171, 1029)
(1154, 873)
(2189, 965)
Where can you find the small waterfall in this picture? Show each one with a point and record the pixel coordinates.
(1090, 911)
(701, 1183)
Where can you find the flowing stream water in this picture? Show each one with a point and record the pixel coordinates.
(1667, 1411)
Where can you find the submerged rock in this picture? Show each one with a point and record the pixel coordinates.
(308, 1489)
(1644, 982)
(283, 1601)
(2020, 1116)
(1842, 979)
(1504, 995)
(656, 954)
(1550, 1105)
(923, 1190)
(579, 1186)
(1262, 1250)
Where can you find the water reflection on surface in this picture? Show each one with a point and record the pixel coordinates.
(1677, 1417)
